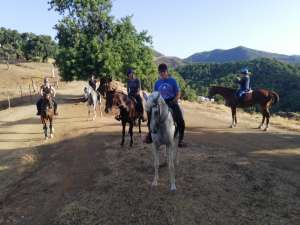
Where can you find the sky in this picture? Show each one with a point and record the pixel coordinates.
(183, 27)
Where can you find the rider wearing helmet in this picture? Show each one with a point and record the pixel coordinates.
(133, 90)
(44, 89)
(244, 83)
(169, 89)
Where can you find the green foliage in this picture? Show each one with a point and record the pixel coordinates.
(15, 45)
(268, 74)
(91, 41)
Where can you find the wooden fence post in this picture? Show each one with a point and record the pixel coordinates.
(30, 92)
(33, 86)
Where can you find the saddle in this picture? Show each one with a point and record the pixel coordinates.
(244, 96)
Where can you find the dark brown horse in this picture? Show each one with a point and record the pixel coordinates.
(264, 98)
(104, 85)
(47, 114)
(128, 111)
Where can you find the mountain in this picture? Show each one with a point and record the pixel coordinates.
(239, 53)
(156, 53)
(284, 78)
(171, 61)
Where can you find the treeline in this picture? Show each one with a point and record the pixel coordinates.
(25, 46)
(266, 73)
(92, 41)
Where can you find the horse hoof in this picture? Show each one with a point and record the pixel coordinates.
(266, 129)
(231, 126)
(51, 136)
(173, 188)
(154, 184)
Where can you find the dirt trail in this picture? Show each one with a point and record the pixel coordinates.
(83, 176)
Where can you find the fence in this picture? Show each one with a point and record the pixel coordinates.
(25, 93)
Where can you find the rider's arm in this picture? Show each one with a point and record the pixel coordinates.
(177, 97)
(177, 91)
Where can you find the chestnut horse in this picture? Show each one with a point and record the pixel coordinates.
(264, 98)
(47, 114)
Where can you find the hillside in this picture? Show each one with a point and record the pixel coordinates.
(270, 74)
(173, 62)
(238, 54)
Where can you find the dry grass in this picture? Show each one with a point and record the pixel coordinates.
(21, 75)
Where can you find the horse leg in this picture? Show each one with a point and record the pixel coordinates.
(89, 113)
(156, 164)
(45, 129)
(235, 118)
(123, 132)
(263, 121)
(100, 109)
(263, 112)
(131, 133)
(268, 119)
(140, 131)
(171, 156)
(233, 113)
(95, 112)
(51, 129)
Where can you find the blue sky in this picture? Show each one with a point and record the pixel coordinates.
(183, 27)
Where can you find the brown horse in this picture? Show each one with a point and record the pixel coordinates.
(47, 114)
(128, 111)
(262, 97)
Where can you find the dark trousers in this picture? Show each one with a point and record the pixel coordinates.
(40, 102)
(139, 102)
(177, 117)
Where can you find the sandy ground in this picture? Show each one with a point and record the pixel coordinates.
(83, 176)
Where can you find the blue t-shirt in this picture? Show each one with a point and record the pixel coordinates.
(168, 88)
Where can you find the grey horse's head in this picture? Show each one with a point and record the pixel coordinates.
(157, 107)
(152, 100)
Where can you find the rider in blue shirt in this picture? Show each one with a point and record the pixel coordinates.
(168, 87)
(244, 83)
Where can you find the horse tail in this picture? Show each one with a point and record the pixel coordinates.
(275, 97)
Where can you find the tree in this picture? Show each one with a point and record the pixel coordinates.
(91, 41)
(17, 45)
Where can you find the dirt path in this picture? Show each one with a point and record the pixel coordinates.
(83, 176)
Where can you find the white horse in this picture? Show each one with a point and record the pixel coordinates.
(91, 97)
(163, 133)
